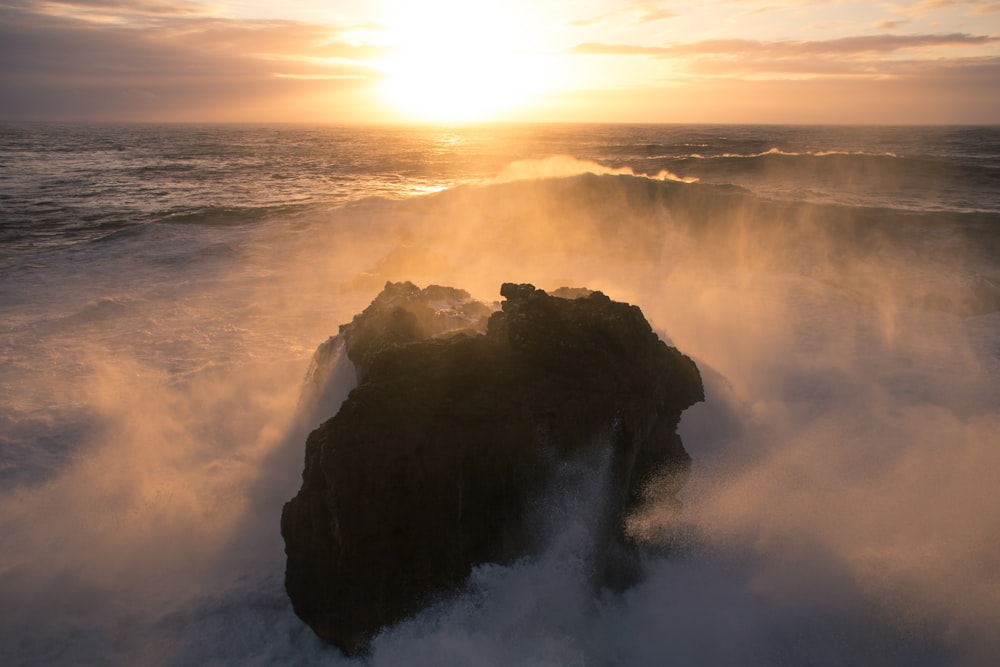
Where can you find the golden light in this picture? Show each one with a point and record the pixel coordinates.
(455, 61)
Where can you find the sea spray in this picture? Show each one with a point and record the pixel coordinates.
(539, 610)
(152, 359)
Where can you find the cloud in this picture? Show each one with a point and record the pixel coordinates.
(657, 16)
(961, 91)
(586, 23)
(636, 12)
(162, 7)
(990, 8)
(110, 12)
(927, 6)
(599, 49)
(877, 58)
(649, 12)
(931, 78)
(266, 38)
(56, 63)
(845, 69)
(845, 46)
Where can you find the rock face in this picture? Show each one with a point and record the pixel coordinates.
(432, 464)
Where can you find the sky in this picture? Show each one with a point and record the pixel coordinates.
(455, 61)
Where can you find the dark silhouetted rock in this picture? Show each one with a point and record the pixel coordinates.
(432, 464)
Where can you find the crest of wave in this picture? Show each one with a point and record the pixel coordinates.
(559, 166)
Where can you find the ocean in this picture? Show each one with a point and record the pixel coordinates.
(163, 289)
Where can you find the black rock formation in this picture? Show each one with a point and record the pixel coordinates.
(432, 463)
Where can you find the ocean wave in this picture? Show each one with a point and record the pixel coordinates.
(837, 161)
(616, 216)
(777, 151)
(229, 216)
(560, 166)
(872, 179)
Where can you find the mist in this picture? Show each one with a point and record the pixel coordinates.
(840, 506)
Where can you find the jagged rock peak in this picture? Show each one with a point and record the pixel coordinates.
(404, 313)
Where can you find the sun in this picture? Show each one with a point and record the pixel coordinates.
(460, 61)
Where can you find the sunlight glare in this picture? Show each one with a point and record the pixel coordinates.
(455, 61)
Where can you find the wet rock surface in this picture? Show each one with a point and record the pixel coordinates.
(461, 414)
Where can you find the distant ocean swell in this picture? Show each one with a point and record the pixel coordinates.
(889, 181)
(616, 217)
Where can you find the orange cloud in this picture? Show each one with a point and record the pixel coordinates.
(171, 60)
(637, 12)
(844, 46)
